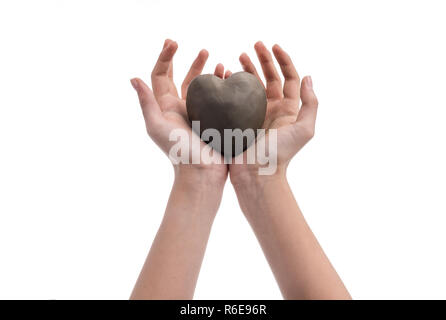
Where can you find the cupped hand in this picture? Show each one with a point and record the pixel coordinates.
(164, 110)
(295, 126)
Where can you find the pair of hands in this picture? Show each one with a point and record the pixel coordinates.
(297, 261)
(164, 110)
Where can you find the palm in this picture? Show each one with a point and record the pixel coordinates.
(170, 107)
(280, 113)
(294, 126)
(174, 110)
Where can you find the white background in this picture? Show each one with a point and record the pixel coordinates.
(83, 189)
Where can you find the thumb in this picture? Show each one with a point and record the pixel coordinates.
(150, 107)
(306, 117)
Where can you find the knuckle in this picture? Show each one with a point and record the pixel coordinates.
(155, 73)
(307, 132)
(142, 101)
(151, 128)
(314, 101)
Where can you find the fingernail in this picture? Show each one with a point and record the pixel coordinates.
(134, 83)
(259, 43)
(309, 82)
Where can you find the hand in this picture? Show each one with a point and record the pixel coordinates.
(165, 111)
(173, 264)
(295, 127)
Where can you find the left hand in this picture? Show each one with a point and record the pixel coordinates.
(295, 125)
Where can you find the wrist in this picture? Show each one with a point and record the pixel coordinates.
(197, 192)
(256, 194)
(200, 179)
(250, 178)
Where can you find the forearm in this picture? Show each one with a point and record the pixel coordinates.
(299, 264)
(173, 264)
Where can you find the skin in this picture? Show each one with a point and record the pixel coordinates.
(172, 266)
(173, 263)
(301, 268)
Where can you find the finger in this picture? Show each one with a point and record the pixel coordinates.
(219, 70)
(170, 71)
(165, 58)
(307, 113)
(194, 71)
(228, 73)
(291, 85)
(161, 82)
(248, 66)
(172, 88)
(149, 106)
(273, 82)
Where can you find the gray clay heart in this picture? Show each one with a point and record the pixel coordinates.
(238, 102)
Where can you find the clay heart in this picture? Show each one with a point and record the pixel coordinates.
(238, 102)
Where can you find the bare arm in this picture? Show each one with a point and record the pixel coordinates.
(173, 263)
(299, 264)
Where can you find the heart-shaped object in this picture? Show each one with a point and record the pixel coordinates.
(238, 102)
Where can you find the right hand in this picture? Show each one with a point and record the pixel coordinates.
(165, 111)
